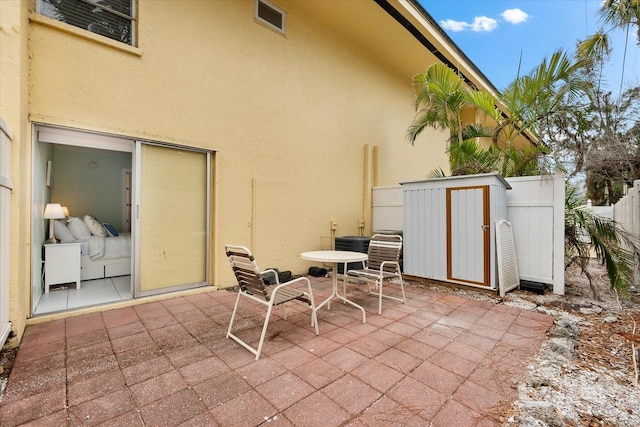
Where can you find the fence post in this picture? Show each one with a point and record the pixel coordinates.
(635, 222)
(558, 232)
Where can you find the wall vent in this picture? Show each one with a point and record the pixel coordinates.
(270, 15)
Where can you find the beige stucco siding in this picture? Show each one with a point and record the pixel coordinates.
(287, 116)
(14, 112)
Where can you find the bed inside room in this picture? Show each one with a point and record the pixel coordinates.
(104, 251)
(94, 187)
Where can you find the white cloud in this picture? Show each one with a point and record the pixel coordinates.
(515, 16)
(456, 26)
(484, 23)
(480, 23)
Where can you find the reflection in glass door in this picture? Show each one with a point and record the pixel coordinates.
(171, 215)
(127, 198)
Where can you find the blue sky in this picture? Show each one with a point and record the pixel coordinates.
(495, 33)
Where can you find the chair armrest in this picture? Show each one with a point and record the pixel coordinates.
(272, 271)
(385, 263)
(364, 266)
(291, 282)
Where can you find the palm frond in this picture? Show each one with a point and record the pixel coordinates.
(476, 130)
(440, 96)
(613, 246)
(469, 157)
(521, 161)
(436, 173)
(484, 102)
(594, 47)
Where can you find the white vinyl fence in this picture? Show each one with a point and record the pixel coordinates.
(601, 211)
(627, 213)
(5, 198)
(535, 208)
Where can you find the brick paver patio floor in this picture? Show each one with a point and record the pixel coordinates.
(440, 359)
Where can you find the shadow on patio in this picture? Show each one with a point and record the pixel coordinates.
(440, 358)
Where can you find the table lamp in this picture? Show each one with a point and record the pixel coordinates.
(52, 212)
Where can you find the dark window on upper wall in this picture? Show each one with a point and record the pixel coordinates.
(114, 19)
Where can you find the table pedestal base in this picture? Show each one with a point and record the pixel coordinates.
(335, 294)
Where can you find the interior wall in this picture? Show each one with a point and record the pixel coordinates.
(89, 181)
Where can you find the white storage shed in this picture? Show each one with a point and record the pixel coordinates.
(449, 228)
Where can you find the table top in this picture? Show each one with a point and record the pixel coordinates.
(334, 256)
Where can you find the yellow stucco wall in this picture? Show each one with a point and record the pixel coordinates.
(293, 120)
(14, 112)
(288, 117)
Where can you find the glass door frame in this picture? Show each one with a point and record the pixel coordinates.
(136, 229)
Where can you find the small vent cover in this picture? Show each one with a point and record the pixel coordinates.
(270, 15)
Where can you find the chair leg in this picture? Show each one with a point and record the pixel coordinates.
(264, 331)
(380, 296)
(404, 298)
(379, 286)
(233, 315)
(314, 316)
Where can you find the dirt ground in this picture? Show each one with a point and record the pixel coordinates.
(7, 357)
(591, 377)
(592, 381)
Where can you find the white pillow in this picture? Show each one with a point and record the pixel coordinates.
(62, 232)
(78, 228)
(94, 226)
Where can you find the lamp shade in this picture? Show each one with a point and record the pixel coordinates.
(65, 210)
(53, 211)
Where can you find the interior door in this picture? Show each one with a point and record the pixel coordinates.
(468, 235)
(171, 217)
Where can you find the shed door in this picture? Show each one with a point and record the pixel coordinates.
(468, 235)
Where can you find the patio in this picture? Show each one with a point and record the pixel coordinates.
(440, 359)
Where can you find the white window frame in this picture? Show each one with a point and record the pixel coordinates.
(267, 23)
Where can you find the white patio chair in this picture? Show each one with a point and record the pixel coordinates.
(383, 264)
(252, 286)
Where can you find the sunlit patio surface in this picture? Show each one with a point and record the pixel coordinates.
(441, 359)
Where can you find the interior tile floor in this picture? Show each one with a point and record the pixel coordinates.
(91, 292)
(439, 360)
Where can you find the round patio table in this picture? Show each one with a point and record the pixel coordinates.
(336, 257)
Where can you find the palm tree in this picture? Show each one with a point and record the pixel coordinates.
(534, 99)
(441, 96)
(534, 103)
(613, 246)
(622, 13)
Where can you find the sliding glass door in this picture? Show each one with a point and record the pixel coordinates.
(171, 215)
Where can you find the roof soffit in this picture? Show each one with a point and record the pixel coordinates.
(366, 26)
(379, 27)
